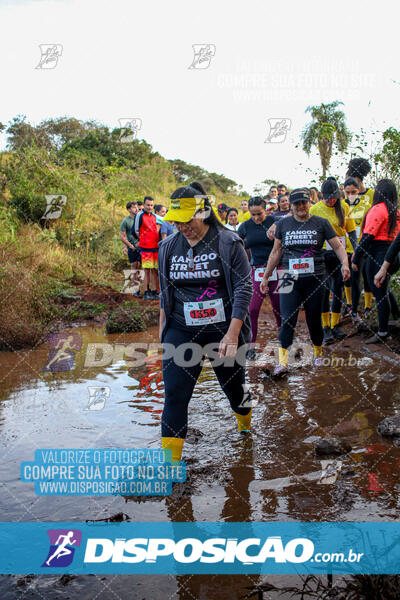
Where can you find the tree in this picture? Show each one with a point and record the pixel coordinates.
(185, 173)
(328, 127)
(389, 156)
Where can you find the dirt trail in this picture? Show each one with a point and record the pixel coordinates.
(273, 474)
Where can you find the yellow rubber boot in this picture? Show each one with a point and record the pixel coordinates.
(368, 299)
(325, 318)
(347, 293)
(244, 421)
(173, 444)
(317, 350)
(335, 318)
(283, 356)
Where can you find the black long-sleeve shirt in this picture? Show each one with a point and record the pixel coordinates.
(393, 250)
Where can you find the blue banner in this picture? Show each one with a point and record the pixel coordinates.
(102, 472)
(200, 548)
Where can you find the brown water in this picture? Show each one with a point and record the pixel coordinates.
(271, 475)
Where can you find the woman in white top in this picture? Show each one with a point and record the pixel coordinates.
(232, 219)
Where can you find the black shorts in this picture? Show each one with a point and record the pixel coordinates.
(133, 255)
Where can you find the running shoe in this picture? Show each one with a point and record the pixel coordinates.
(137, 295)
(250, 354)
(367, 313)
(377, 338)
(148, 295)
(280, 371)
(328, 337)
(318, 361)
(346, 310)
(155, 294)
(337, 333)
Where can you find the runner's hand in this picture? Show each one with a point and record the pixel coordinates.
(264, 283)
(271, 232)
(346, 272)
(228, 345)
(354, 267)
(380, 277)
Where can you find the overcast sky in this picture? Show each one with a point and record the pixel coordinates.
(131, 59)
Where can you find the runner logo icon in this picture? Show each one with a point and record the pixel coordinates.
(62, 547)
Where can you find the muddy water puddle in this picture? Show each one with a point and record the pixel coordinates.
(273, 474)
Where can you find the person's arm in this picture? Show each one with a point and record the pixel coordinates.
(341, 253)
(390, 257)
(273, 261)
(242, 293)
(124, 239)
(393, 250)
(272, 229)
(353, 239)
(161, 322)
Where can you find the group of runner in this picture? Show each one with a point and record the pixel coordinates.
(140, 232)
(213, 281)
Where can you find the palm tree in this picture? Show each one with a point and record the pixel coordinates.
(327, 127)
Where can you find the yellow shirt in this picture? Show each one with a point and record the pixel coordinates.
(242, 217)
(215, 209)
(328, 212)
(358, 211)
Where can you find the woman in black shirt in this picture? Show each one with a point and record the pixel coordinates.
(206, 289)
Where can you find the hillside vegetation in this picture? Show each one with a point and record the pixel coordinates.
(97, 172)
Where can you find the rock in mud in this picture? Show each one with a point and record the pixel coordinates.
(327, 446)
(66, 578)
(390, 427)
(126, 318)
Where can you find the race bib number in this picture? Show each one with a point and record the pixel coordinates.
(259, 274)
(204, 313)
(342, 240)
(301, 265)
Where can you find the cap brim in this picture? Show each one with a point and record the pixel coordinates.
(179, 215)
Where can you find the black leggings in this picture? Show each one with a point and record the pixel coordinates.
(310, 292)
(334, 283)
(385, 301)
(180, 379)
(355, 283)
